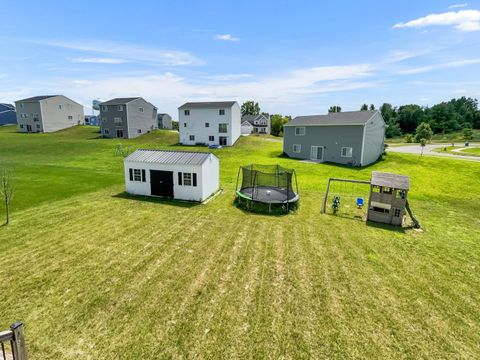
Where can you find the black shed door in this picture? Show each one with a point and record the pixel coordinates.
(161, 183)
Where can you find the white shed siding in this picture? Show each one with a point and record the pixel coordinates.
(207, 179)
(374, 135)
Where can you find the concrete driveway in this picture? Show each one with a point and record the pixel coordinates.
(428, 151)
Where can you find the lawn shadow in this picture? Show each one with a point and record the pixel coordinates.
(398, 229)
(262, 210)
(157, 200)
(343, 166)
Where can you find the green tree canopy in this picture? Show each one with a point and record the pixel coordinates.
(364, 107)
(334, 109)
(423, 131)
(250, 107)
(372, 107)
(276, 124)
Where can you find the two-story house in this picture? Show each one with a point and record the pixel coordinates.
(48, 113)
(164, 121)
(127, 117)
(352, 138)
(256, 124)
(209, 123)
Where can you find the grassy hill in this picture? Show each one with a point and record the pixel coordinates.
(93, 273)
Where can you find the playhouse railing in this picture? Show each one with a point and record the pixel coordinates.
(12, 343)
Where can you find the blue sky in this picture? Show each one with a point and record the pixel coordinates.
(294, 57)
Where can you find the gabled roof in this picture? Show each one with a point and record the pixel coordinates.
(6, 107)
(169, 157)
(119, 101)
(395, 181)
(340, 118)
(208, 105)
(38, 98)
(251, 118)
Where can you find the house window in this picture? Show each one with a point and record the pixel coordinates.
(140, 109)
(300, 131)
(221, 112)
(192, 137)
(117, 121)
(137, 175)
(184, 124)
(139, 131)
(207, 124)
(104, 108)
(38, 126)
(187, 179)
(222, 128)
(60, 106)
(35, 117)
(211, 138)
(397, 212)
(119, 107)
(21, 126)
(347, 152)
(297, 148)
(186, 112)
(21, 105)
(23, 115)
(106, 131)
(70, 117)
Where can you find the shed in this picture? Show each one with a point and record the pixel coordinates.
(183, 175)
(388, 197)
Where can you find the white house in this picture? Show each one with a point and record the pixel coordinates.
(183, 175)
(255, 124)
(209, 123)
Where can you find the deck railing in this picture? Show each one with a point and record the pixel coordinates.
(12, 343)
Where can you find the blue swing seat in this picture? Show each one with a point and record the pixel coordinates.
(360, 202)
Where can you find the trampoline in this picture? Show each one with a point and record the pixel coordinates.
(267, 184)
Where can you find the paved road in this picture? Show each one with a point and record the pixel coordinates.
(417, 149)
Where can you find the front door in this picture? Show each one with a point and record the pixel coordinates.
(161, 183)
(29, 128)
(222, 140)
(119, 133)
(316, 153)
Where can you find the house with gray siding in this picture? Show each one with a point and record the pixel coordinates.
(47, 113)
(256, 124)
(164, 121)
(351, 138)
(127, 118)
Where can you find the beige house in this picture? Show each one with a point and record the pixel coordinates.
(48, 113)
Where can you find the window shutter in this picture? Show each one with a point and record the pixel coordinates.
(180, 178)
(131, 174)
(194, 179)
(143, 175)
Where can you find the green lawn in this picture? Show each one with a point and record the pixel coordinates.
(95, 274)
(475, 151)
(472, 151)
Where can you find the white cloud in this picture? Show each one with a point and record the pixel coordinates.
(128, 51)
(99, 60)
(401, 55)
(451, 64)
(463, 20)
(230, 77)
(226, 37)
(456, 6)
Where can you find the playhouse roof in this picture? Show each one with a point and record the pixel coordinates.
(395, 181)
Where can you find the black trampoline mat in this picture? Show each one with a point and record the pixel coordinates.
(270, 194)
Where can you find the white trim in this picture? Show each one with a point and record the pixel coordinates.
(316, 157)
(300, 127)
(363, 144)
(305, 125)
(346, 147)
(299, 149)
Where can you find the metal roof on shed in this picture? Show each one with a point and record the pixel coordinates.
(169, 157)
(395, 181)
(340, 118)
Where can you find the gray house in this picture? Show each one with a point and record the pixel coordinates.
(164, 121)
(127, 117)
(48, 113)
(256, 124)
(351, 138)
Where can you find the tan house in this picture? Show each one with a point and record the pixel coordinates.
(48, 113)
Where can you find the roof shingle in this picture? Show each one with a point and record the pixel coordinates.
(340, 118)
(208, 105)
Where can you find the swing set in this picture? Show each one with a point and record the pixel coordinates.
(350, 193)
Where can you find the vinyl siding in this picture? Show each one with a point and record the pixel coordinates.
(374, 139)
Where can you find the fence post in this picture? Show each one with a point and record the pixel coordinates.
(19, 351)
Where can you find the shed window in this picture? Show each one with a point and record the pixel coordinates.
(137, 175)
(401, 194)
(221, 112)
(187, 179)
(380, 210)
(347, 152)
(186, 112)
(300, 131)
(297, 148)
(387, 190)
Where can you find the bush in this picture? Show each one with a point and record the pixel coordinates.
(409, 138)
